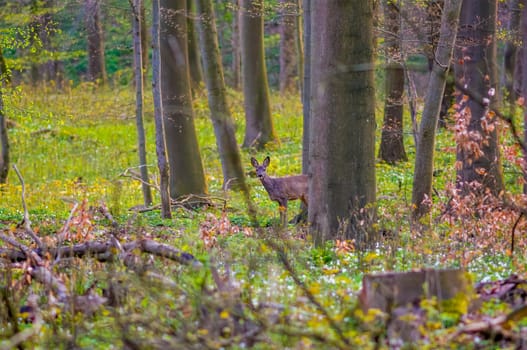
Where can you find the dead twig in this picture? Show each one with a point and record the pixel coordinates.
(514, 231)
(128, 172)
(27, 221)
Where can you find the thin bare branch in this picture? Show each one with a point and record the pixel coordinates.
(27, 221)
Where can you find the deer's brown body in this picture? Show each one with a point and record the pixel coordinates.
(282, 189)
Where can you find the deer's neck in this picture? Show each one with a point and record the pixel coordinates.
(268, 182)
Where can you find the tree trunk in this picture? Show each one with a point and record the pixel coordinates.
(392, 143)
(162, 161)
(424, 159)
(511, 52)
(43, 27)
(524, 90)
(235, 43)
(196, 71)
(288, 11)
(299, 43)
(186, 168)
(306, 90)
(144, 40)
(96, 65)
(139, 99)
(4, 141)
(343, 116)
(233, 173)
(478, 158)
(259, 129)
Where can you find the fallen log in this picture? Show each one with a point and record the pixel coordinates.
(102, 251)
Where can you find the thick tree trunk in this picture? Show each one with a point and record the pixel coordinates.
(186, 168)
(259, 129)
(233, 174)
(392, 143)
(96, 65)
(139, 99)
(424, 159)
(478, 158)
(162, 160)
(342, 150)
(288, 62)
(235, 43)
(196, 71)
(509, 77)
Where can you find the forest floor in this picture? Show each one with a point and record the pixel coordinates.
(211, 278)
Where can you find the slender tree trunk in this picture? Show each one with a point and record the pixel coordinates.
(144, 40)
(139, 99)
(259, 129)
(4, 141)
(186, 167)
(392, 143)
(478, 157)
(306, 90)
(162, 160)
(343, 115)
(524, 90)
(424, 159)
(299, 41)
(96, 65)
(288, 61)
(233, 174)
(196, 71)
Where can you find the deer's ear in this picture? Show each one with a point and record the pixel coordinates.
(254, 162)
(266, 161)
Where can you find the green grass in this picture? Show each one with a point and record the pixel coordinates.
(91, 139)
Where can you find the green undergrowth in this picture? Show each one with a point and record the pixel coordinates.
(73, 145)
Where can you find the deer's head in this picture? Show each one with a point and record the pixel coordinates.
(260, 169)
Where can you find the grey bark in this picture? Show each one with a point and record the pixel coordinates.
(424, 160)
(511, 80)
(342, 150)
(306, 85)
(196, 70)
(96, 64)
(161, 153)
(259, 129)
(235, 43)
(186, 168)
(392, 142)
(139, 100)
(233, 174)
(476, 68)
(288, 61)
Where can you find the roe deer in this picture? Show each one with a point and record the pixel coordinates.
(281, 189)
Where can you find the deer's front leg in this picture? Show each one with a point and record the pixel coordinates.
(283, 212)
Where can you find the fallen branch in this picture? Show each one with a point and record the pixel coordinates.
(101, 250)
(26, 221)
(495, 326)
